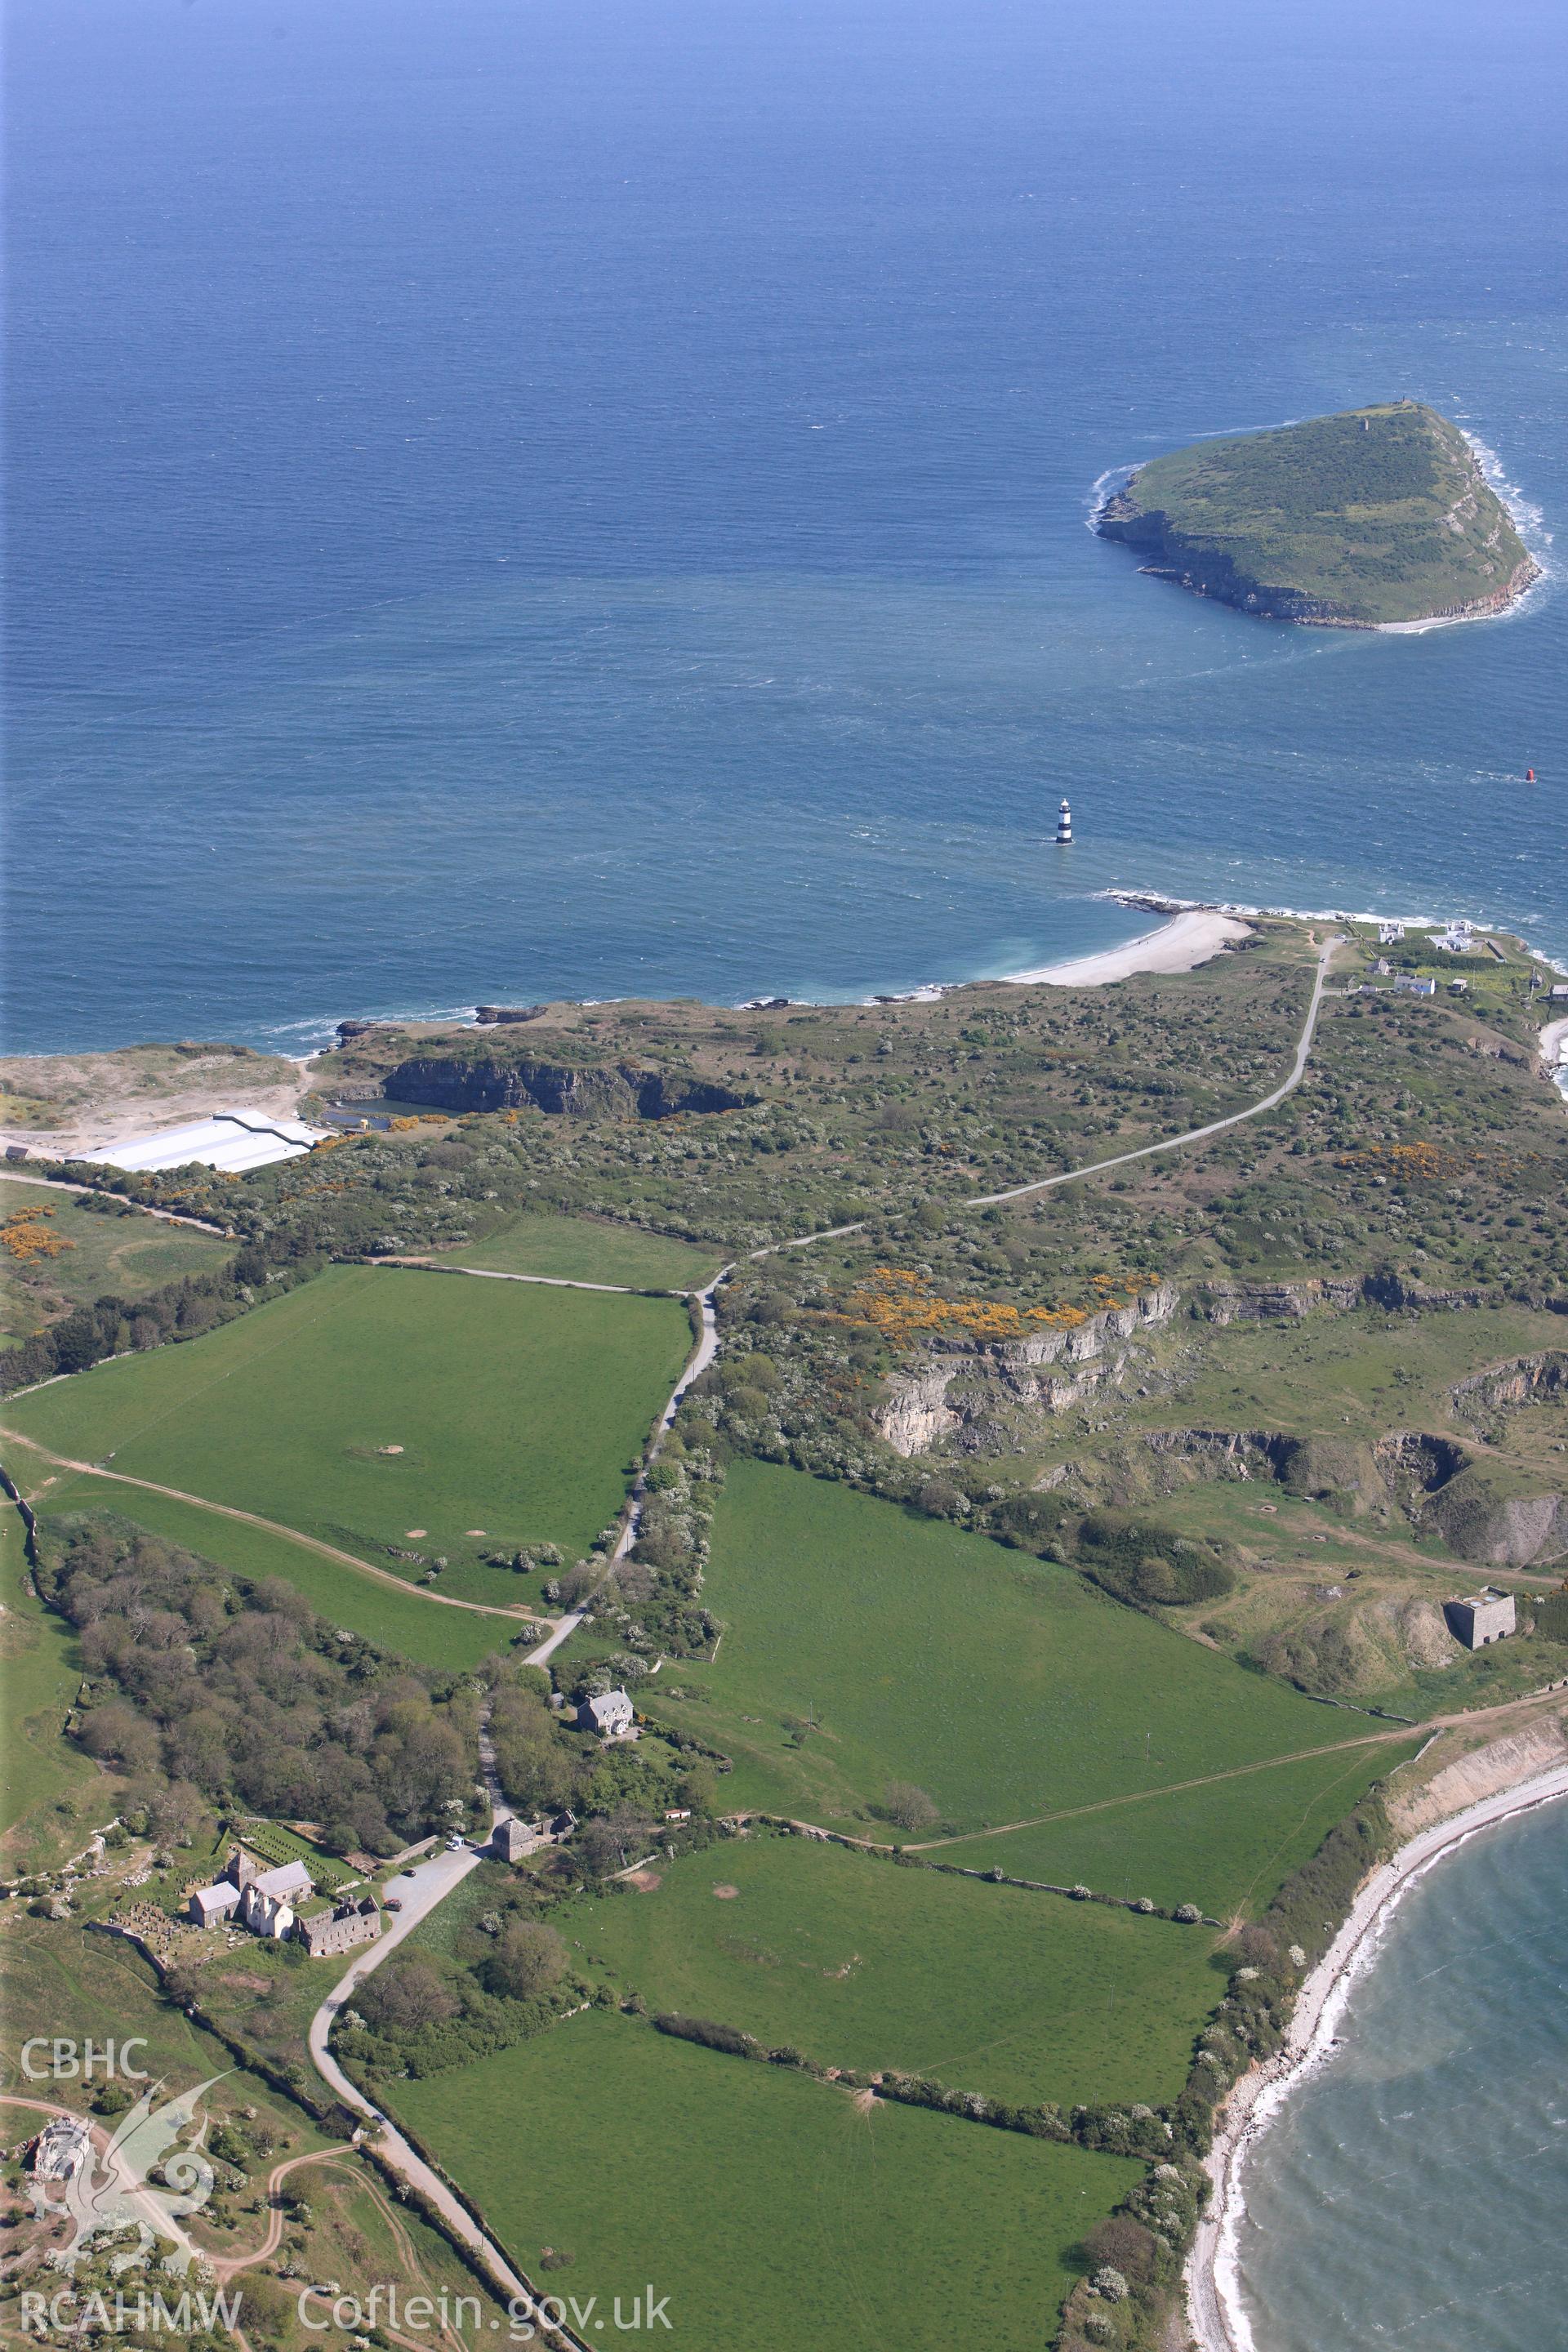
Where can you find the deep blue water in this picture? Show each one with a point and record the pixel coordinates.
(1410, 2194)
(515, 498)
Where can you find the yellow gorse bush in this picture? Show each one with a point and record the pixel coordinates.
(903, 1307)
(1429, 1163)
(28, 1238)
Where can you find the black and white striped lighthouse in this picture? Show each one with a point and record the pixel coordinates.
(1064, 823)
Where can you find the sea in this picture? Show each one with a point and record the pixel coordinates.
(1410, 2192)
(521, 499)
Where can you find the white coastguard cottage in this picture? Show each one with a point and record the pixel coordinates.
(610, 1716)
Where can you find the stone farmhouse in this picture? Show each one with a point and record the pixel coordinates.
(610, 1716)
(512, 1840)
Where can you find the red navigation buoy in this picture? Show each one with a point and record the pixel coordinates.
(1529, 775)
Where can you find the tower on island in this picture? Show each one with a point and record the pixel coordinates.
(1064, 823)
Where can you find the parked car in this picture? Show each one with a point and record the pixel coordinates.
(394, 1902)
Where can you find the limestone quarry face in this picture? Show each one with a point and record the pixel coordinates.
(1420, 1633)
(989, 1399)
(961, 1394)
(1509, 1387)
(1471, 1503)
(1512, 1531)
(917, 1416)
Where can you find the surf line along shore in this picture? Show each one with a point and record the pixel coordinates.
(1185, 939)
(1215, 2313)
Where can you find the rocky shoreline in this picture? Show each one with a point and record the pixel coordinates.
(1379, 518)
(1211, 573)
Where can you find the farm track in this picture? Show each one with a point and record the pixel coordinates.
(393, 2149)
(548, 1281)
(167, 1216)
(270, 1526)
(1469, 1719)
(1144, 1150)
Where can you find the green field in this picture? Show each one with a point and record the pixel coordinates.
(1226, 1848)
(861, 1964)
(771, 2212)
(123, 1258)
(1004, 1688)
(517, 1412)
(39, 1672)
(589, 1249)
(400, 1620)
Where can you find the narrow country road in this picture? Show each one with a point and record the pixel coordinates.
(1144, 1150)
(424, 1886)
(701, 1356)
(1194, 1134)
(420, 1889)
(706, 1344)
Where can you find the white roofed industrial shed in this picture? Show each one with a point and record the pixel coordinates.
(233, 1141)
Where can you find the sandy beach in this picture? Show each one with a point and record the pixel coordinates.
(1179, 944)
(1214, 2311)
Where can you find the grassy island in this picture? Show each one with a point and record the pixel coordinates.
(1377, 518)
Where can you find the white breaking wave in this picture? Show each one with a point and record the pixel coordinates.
(1528, 519)
(1104, 488)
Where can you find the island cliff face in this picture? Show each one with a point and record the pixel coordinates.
(1378, 518)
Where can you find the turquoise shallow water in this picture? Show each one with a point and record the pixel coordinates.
(509, 501)
(1411, 2192)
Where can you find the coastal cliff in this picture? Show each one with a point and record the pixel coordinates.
(1379, 518)
(595, 1090)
